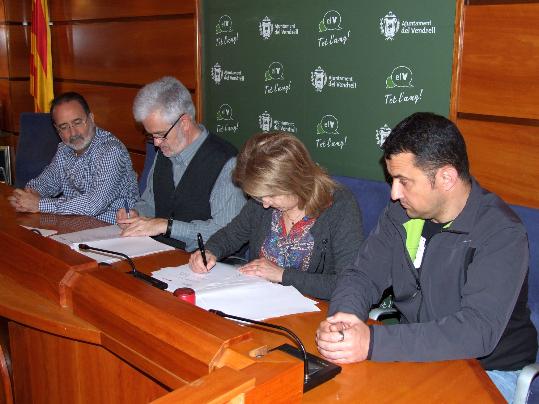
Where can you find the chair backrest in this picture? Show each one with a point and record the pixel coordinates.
(151, 151)
(530, 218)
(37, 144)
(372, 197)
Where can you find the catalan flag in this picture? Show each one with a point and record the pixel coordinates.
(40, 57)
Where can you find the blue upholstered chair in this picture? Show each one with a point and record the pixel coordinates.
(372, 197)
(151, 151)
(527, 385)
(36, 146)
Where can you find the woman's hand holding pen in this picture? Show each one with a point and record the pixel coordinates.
(196, 263)
(265, 269)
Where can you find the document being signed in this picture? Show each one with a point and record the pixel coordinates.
(225, 288)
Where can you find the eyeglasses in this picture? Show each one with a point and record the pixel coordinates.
(156, 136)
(77, 123)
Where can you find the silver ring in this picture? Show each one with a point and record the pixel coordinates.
(342, 335)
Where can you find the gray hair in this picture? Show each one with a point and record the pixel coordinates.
(166, 95)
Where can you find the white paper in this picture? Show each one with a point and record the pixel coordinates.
(108, 238)
(226, 289)
(221, 276)
(41, 232)
(130, 246)
(85, 236)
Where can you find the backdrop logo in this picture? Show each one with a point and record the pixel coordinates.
(401, 77)
(224, 32)
(267, 28)
(267, 123)
(331, 21)
(331, 29)
(329, 126)
(218, 74)
(274, 79)
(226, 123)
(382, 134)
(389, 26)
(224, 113)
(275, 72)
(319, 78)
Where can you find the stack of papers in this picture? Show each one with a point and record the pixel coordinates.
(108, 238)
(226, 289)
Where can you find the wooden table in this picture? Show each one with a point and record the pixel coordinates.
(78, 334)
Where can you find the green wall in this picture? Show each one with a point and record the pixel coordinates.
(338, 74)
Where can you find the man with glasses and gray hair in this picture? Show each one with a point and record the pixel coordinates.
(90, 174)
(189, 189)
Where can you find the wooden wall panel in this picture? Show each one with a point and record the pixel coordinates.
(2, 14)
(5, 104)
(21, 101)
(61, 10)
(125, 52)
(504, 158)
(500, 60)
(19, 50)
(495, 96)
(18, 10)
(14, 99)
(4, 66)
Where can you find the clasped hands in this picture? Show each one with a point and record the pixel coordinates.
(25, 200)
(136, 225)
(343, 338)
(261, 267)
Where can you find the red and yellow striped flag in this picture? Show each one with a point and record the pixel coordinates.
(40, 57)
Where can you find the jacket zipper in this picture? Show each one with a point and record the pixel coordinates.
(322, 261)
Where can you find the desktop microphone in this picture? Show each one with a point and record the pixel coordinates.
(315, 370)
(137, 274)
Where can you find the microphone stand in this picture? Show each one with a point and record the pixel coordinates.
(137, 274)
(278, 327)
(320, 370)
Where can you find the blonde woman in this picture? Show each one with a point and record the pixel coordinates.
(302, 228)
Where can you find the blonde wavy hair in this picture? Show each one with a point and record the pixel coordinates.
(277, 163)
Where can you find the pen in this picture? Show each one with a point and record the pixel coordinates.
(202, 249)
(126, 204)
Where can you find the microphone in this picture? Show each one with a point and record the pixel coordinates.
(315, 370)
(137, 274)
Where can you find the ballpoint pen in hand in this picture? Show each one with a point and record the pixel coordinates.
(202, 249)
(126, 204)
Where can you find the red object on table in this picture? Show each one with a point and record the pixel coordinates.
(186, 294)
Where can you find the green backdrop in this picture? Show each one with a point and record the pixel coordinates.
(338, 74)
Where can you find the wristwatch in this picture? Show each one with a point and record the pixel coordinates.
(169, 227)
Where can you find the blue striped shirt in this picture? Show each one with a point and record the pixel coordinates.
(96, 183)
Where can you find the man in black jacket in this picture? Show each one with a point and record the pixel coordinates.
(189, 188)
(456, 256)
